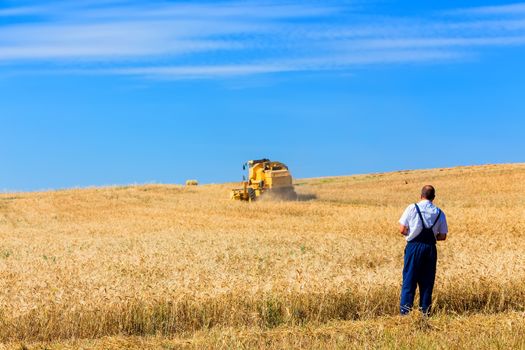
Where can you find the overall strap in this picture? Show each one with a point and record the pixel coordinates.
(437, 219)
(423, 221)
(420, 216)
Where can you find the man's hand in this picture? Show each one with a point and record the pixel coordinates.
(441, 236)
(403, 230)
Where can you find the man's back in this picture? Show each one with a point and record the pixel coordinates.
(430, 214)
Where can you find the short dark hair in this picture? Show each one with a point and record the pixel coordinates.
(428, 192)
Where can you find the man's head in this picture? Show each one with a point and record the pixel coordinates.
(428, 192)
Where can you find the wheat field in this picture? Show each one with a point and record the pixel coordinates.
(164, 266)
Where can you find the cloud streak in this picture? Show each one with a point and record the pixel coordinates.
(509, 9)
(337, 63)
(222, 39)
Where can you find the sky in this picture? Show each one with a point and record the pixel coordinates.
(108, 92)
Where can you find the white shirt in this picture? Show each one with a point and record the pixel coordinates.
(429, 211)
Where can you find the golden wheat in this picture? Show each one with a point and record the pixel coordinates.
(498, 331)
(173, 260)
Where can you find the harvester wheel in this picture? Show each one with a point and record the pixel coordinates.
(251, 194)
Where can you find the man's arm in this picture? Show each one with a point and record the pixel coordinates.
(403, 222)
(442, 228)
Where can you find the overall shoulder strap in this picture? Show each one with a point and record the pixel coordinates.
(420, 216)
(437, 219)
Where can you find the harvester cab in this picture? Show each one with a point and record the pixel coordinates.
(264, 176)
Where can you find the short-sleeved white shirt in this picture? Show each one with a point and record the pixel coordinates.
(429, 211)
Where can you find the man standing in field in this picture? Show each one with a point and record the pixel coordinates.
(422, 224)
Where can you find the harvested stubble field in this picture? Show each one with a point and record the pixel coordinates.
(165, 266)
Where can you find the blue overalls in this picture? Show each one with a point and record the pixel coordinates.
(420, 268)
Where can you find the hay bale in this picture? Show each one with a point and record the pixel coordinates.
(192, 182)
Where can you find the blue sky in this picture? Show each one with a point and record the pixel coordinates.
(102, 92)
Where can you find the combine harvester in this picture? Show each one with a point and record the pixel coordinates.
(265, 176)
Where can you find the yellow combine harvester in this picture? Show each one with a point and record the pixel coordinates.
(265, 176)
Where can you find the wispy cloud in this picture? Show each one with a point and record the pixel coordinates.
(336, 63)
(19, 11)
(187, 40)
(508, 9)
